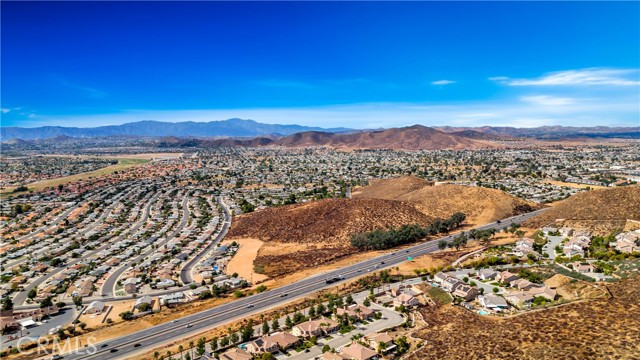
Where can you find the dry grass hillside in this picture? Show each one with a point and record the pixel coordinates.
(391, 189)
(481, 205)
(602, 210)
(299, 236)
(325, 221)
(592, 329)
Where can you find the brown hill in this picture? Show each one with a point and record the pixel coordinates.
(307, 235)
(415, 137)
(601, 210)
(481, 205)
(330, 221)
(391, 189)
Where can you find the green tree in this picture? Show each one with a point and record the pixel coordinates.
(46, 302)
(275, 324)
(32, 294)
(200, 348)
(234, 338)
(7, 303)
(265, 327)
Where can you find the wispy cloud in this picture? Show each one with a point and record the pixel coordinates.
(580, 77)
(547, 100)
(85, 90)
(5, 110)
(443, 82)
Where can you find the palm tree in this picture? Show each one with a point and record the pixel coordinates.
(180, 349)
(191, 348)
(156, 355)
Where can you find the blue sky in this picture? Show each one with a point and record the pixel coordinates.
(354, 64)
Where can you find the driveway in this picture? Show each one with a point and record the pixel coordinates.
(550, 246)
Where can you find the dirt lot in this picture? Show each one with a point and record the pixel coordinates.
(589, 329)
(242, 262)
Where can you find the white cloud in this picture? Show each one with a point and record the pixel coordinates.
(443, 82)
(5, 110)
(547, 100)
(580, 77)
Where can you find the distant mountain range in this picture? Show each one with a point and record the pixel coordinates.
(415, 137)
(549, 132)
(149, 128)
(238, 132)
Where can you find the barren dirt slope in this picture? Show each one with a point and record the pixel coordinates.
(390, 189)
(481, 205)
(611, 207)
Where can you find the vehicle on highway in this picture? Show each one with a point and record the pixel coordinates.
(137, 345)
(283, 294)
(174, 321)
(188, 326)
(113, 350)
(104, 346)
(382, 262)
(56, 357)
(249, 306)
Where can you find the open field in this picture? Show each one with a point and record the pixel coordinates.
(573, 185)
(242, 261)
(600, 328)
(123, 163)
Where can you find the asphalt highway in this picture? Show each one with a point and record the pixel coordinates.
(148, 339)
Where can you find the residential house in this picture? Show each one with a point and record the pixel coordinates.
(130, 288)
(487, 274)
(506, 277)
(466, 292)
(143, 300)
(284, 339)
(493, 302)
(355, 310)
(236, 354)
(172, 298)
(543, 291)
(382, 342)
(262, 345)
(406, 300)
(583, 267)
(307, 329)
(440, 277)
(524, 246)
(356, 351)
(451, 284)
(95, 307)
(522, 284)
(520, 299)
